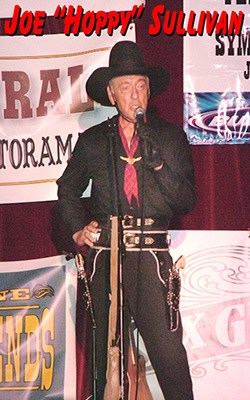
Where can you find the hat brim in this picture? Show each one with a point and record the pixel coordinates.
(98, 81)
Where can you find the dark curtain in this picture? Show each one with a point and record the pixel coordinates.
(35, 230)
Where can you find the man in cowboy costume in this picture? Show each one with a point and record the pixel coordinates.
(152, 181)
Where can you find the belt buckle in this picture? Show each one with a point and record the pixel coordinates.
(130, 239)
(127, 221)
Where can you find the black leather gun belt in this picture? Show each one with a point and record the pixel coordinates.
(154, 240)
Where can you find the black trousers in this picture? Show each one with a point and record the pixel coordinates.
(144, 275)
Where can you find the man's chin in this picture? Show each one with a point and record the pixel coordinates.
(128, 118)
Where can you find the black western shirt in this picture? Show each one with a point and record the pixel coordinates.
(97, 155)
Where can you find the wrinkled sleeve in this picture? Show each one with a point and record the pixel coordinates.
(176, 178)
(71, 185)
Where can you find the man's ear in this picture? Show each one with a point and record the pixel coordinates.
(110, 96)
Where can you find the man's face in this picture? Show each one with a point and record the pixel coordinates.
(129, 92)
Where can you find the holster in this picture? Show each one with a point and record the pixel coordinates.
(173, 294)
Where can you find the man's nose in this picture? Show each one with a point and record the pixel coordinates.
(134, 93)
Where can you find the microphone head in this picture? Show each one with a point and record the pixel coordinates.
(139, 113)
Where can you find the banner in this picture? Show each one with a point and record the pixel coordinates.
(44, 105)
(216, 76)
(37, 329)
(215, 298)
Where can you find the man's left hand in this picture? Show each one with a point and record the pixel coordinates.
(152, 152)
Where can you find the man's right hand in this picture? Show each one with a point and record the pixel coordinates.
(84, 236)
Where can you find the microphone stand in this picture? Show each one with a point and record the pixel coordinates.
(140, 122)
(121, 253)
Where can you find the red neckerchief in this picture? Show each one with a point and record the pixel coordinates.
(130, 175)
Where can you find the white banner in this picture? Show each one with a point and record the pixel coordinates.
(44, 106)
(215, 298)
(37, 329)
(216, 79)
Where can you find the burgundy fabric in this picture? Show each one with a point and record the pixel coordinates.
(34, 230)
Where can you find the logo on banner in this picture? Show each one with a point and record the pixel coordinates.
(28, 335)
(227, 122)
(26, 339)
(234, 123)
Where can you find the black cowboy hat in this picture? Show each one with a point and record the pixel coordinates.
(125, 58)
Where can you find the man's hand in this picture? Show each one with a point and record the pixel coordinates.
(152, 152)
(85, 235)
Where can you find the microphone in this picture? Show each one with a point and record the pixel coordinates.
(139, 115)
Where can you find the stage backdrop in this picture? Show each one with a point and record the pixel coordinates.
(214, 316)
